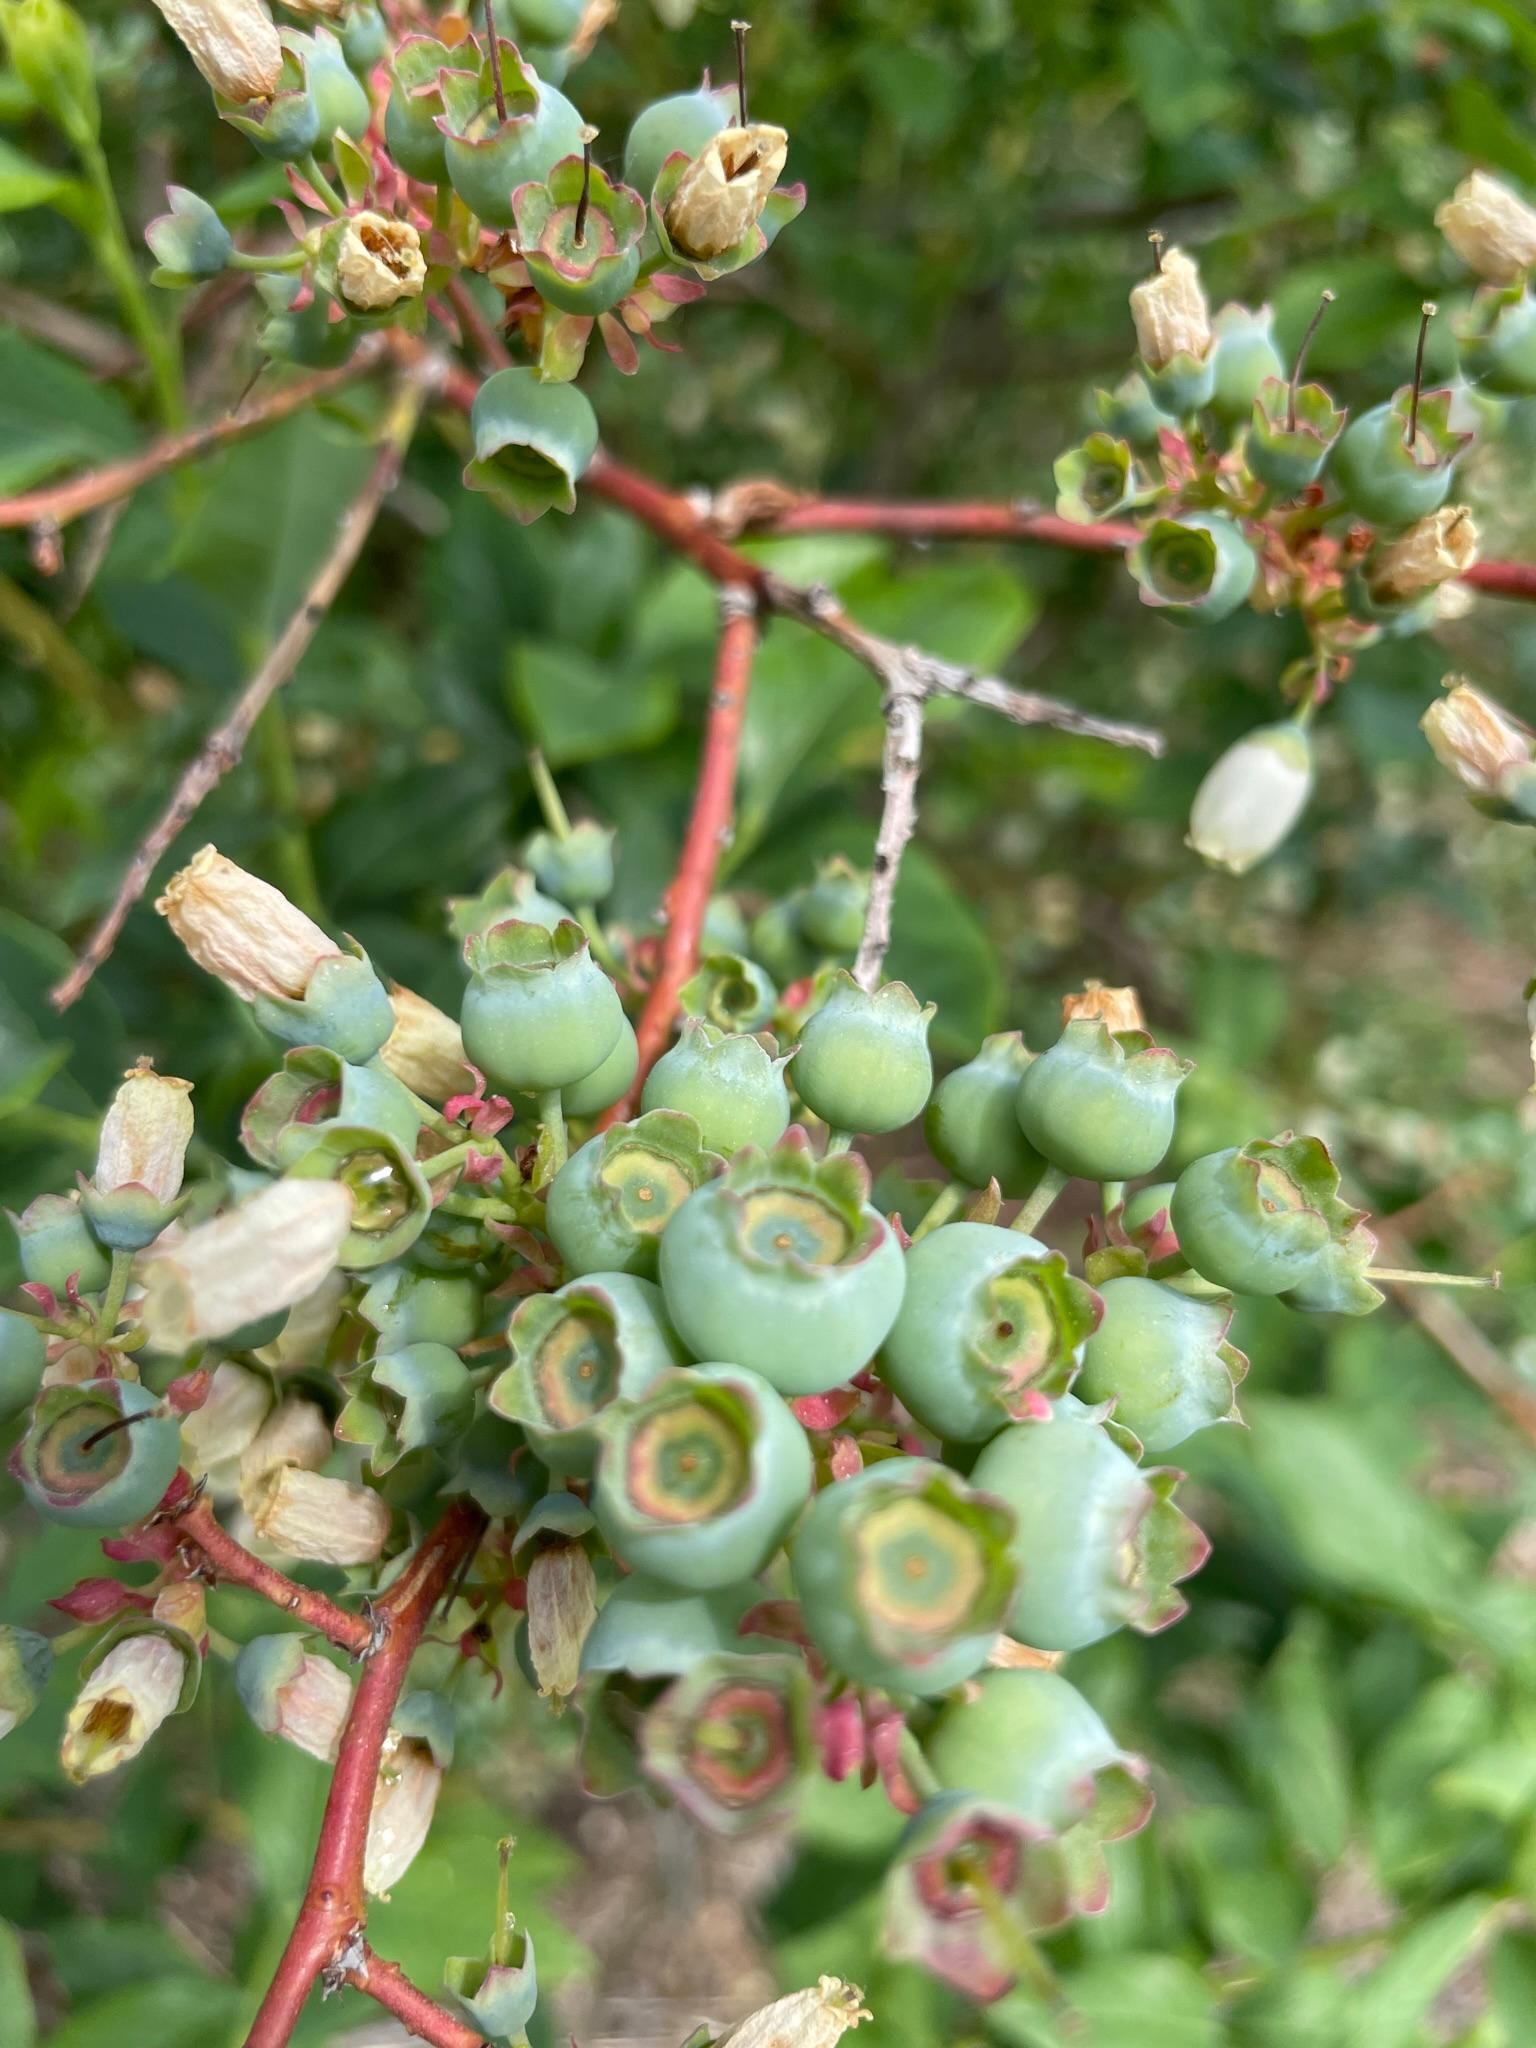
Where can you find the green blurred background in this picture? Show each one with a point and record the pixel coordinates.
(1344, 1728)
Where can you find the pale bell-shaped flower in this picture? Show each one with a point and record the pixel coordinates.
(242, 929)
(309, 1515)
(561, 1611)
(1432, 552)
(1170, 312)
(215, 1436)
(403, 1803)
(232, 42)
(268, 1253)
(1484, 747)
(295, 1433)
(425, 1050)
(1491, 230)
(303, 1338)
(312, 1707)
(1252, 797)
(805, 2019)
(724, 190)
(121, 1704)
(1119, 1008)
(379, 262)
(145, 1134)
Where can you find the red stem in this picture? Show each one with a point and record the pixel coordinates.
(234, 1563)
(709, 825)
(1504, 579)
(952, 522)
(673, 519)
(388, 1983)
(335, 1909)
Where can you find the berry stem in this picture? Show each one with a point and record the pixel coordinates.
(838, 1141)
(112, 1300)
(555, 815)
(941, 1208)
(493, 42)
(739, 31)
(552, 1117)
(1408, 1276)
(1301, 358)
(1427, 313)
(1111, 1194)
(325, 191)
(1048, 1187)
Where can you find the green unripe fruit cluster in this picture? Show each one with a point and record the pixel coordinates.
(1101, 1104)
(863, 1063)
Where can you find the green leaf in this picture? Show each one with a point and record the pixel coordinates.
(24, 183)
(1295, 1745)
(15, 1992)
(172, 2012)
(53, 416)
(578, 710)
(1387, 2007)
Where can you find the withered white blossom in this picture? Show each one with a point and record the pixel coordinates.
(1171, 316)
(379, 262)
(1491, 230)
(425, 1050)
(215, 1436)
(242, 929)
(312, 1707)
(561, 1611)
(266, 1254)
(724, 190)
(805, 2019)
(295, 1433)
(403, 1804)
(121, 1704)
(1431, 552)
(232, 42)
(1477, 739)
(1251, 797)
(1120, 1008)
(309, 1515)
(145, 1134)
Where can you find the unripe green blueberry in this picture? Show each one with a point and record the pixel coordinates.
(1146, 1205)
(989, 1318)
(415, 1398)
(1163, 1358)
(1497, 341)
(611, 1201)
(23, 1354)
(1100, 1103)
(685, 121)
(1184, 384)
(730, 992)
(1287, 446)
(1256, 1218)
(287, 126)
(1381, 477)
(835, 906)
(1094, 479)
(487, 157)
(698, 1481)
(971, 1123)
(594, 1341)
(26, 1665)
(189, 242)
(863, 1063)
(339, 96)
(605, 1083)
(57, 1246)
(411, 129)
(1245, 356)
(548, 21)
(782, 1265)
(511, 892)
(577, 868)
(315, 1089)
(725, 927)
(778, 941)
(345, 1007)
(1097, 1540)
(1030, 1741)
(580, 237)
(533, 441)
(1129, 414)
(1196, 569)
(408, 1305)
(730, 1740)
(904, 1576)
(391, 1200)
(652, 1630)
(71, 1472)
(539, 1012)
(364, 36)
(730, 1082)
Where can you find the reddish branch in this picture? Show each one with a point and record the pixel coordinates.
(58, 504)
(327, 1934)
(709, 827)
(1504, 579)
(952, 522)
(235, 1565)
(388, 1983)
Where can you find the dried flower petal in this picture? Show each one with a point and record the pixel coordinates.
(805, 2019)
(425, 1050)
(724, 189)
(232, 43)
(296, 1433)
(1120, 1008)
(121, 1704)
(379, 262)
(242, 929)
(267, 1254)
(402, 1810)
(1428, 554)
(1492, 231)
(306, 1514)
(1171, 316)
(145, 1134)
(1477, 739)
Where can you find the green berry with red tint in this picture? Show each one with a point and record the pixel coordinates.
(1381, 477)
(533, 442)
(606, 1083)
(579, 235)
(1163, 1358)
(489, 157)
(649, 1629)
(408, 1305)
(730, 1082)
(287, 126)
(71, 1472)
(698, 1481)
(863, 1063)
(730, 992)
(391, 1200)
(684, 122)
(611, 1201)
(1098, 1542)
(989, 1318)
(1195, 569)
(56, 1245)
(1257, 1218)
(834, 907)
(594, 1341)
(539, 1012)
(1129, 414)
(971, 1123)
(23, 1354)
(1100, 1103)
(782, 1265)
(411, 130)
(1245, 356)
(904, 1576)
(1094, 479)
(315, 1088)
(1030, 1741)
(730, 1740)
(1286, 449)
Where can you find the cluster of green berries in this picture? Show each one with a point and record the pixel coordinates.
(1250, 485)
(779, 1482)
(462, 163)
